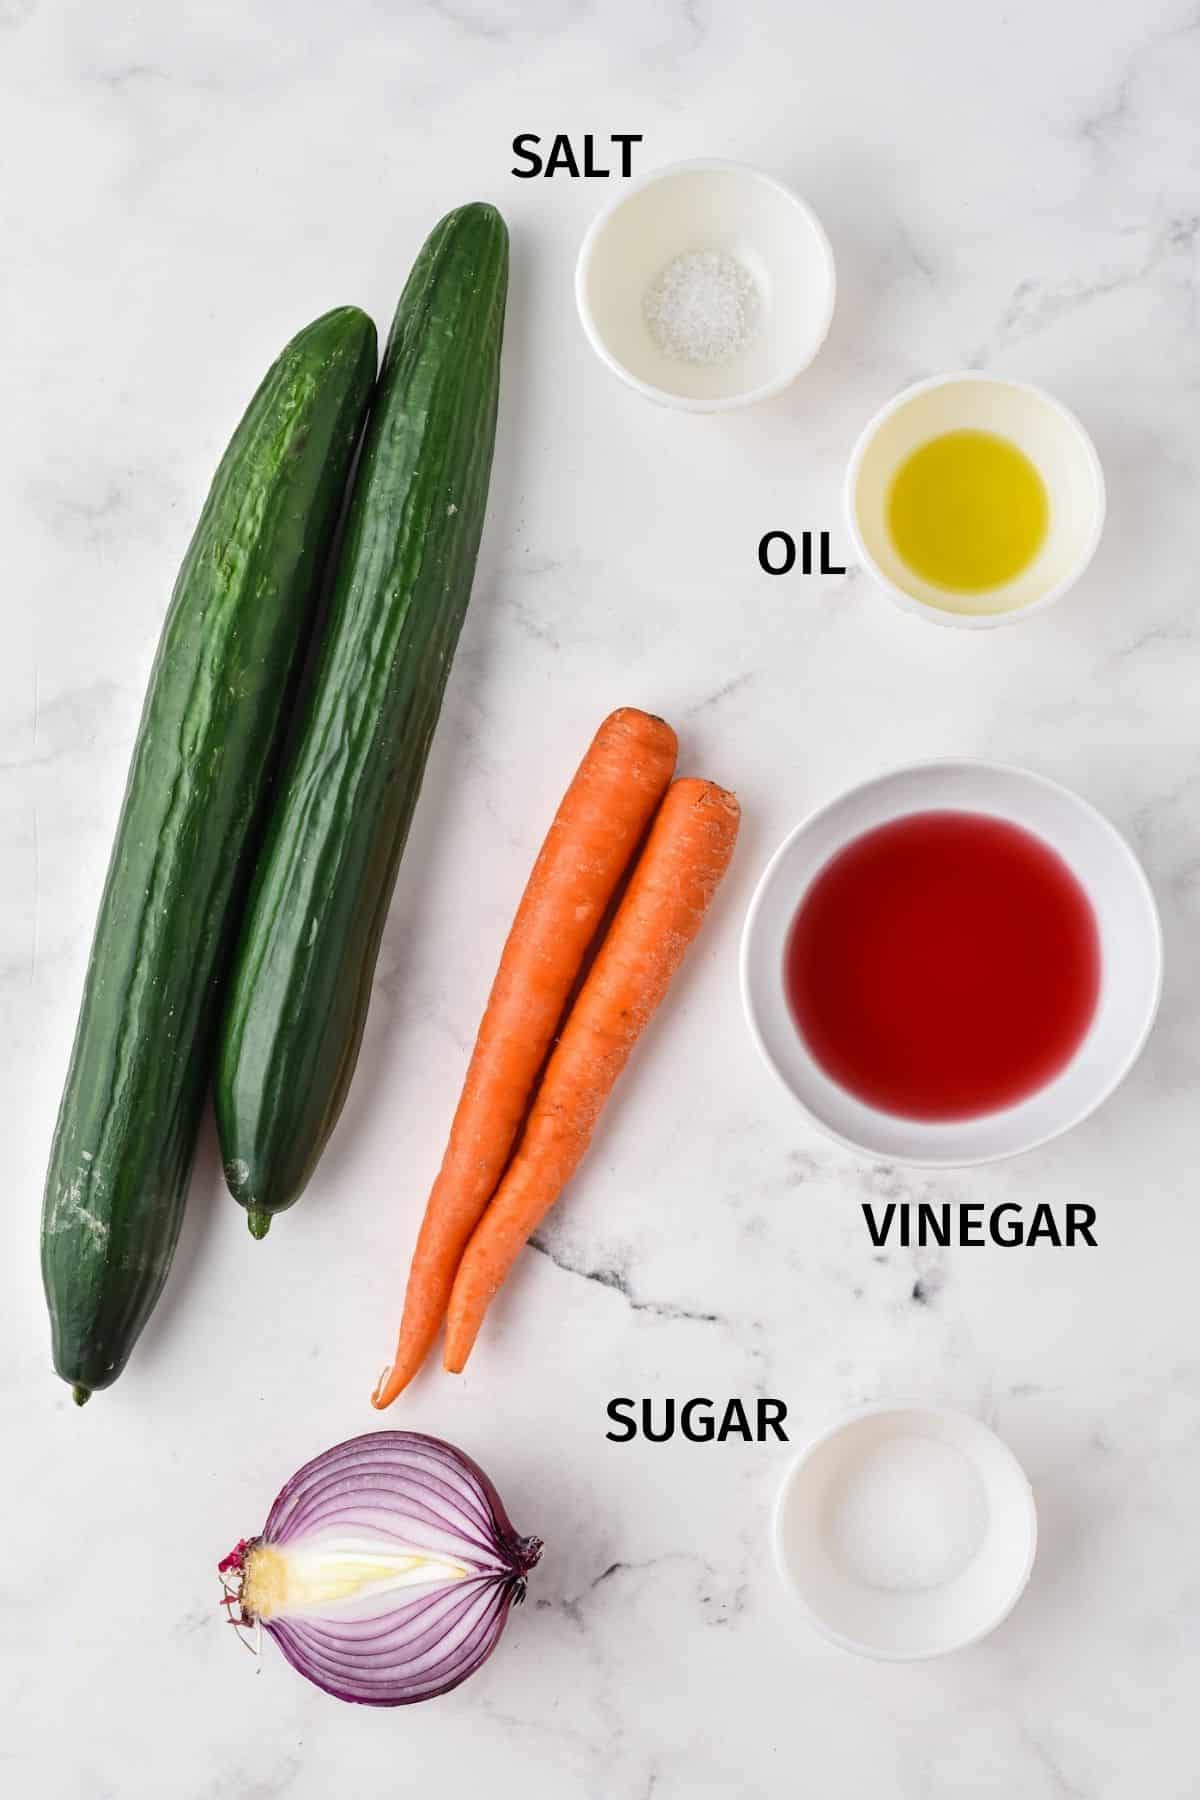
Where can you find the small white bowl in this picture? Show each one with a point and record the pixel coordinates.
(1050, 436)
(950, 1468)
(707, 205)
(1130, 955)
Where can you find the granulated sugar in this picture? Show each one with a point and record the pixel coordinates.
(703, 307)
(908, 1514)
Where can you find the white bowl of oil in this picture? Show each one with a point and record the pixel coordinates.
(975, 500)
(706, 285)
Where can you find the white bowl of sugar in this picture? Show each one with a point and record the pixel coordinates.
(906, 1532)
(706, 285)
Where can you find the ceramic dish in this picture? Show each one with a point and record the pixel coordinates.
(867, 1605)
(1130, 951)
(1040, 426)
(698, 206)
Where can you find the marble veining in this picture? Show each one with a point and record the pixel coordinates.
(1012, 189)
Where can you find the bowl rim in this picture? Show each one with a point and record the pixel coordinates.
(700, 165)
(937, 615)
(746, 951)
(959, 1418)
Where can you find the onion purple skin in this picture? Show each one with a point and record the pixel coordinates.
(432, 1643)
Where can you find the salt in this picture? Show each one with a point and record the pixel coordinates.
(910, 1513)
(703, 307)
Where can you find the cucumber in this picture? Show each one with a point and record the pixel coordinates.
(237, 624)
(301, 981)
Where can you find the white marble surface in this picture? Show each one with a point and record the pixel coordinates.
(1014, 188)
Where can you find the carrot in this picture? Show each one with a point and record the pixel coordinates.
(675, 878)
(590, 844)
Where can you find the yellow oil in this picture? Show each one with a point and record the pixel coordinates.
(967, 512)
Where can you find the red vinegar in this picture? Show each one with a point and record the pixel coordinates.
(944, 965)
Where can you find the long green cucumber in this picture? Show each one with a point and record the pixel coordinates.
(211, 727)
(302, 974)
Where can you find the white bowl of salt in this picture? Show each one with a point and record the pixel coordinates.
(906, 1532)
(706, 285)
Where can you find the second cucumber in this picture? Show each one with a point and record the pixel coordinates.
(303, 968)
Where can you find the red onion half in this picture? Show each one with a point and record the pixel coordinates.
(385, 1570)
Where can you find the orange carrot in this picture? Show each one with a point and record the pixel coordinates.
(590, 844)
(675, 878)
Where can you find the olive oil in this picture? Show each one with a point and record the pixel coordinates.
(967, 512)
